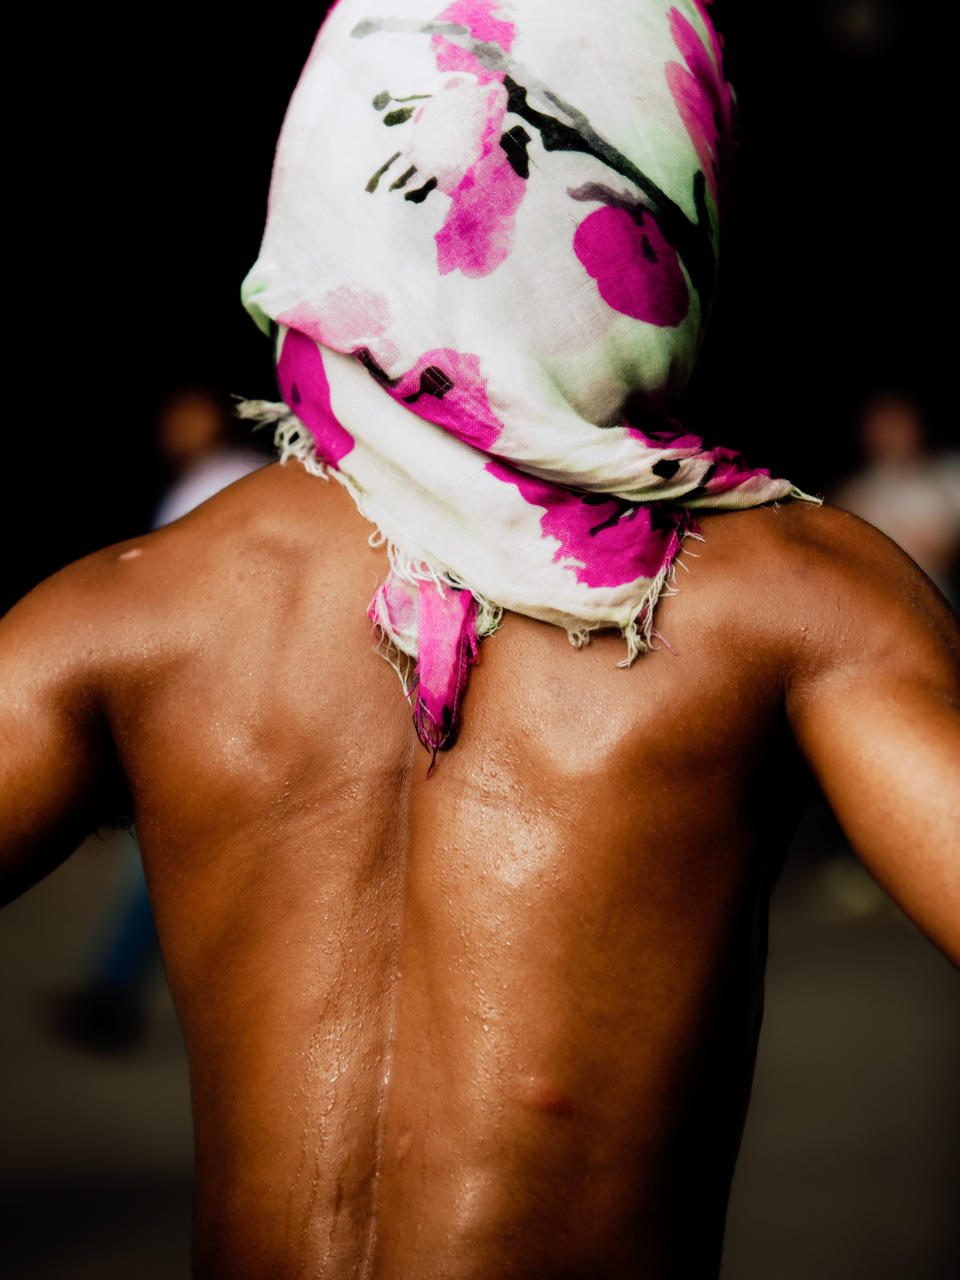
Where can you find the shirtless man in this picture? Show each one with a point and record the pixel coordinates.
(501, 1021)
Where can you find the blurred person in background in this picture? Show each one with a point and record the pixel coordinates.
(494, 1012)
(906, 487)
(198, 449)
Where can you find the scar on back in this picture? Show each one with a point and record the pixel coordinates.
(543, 1097)
(131, 554)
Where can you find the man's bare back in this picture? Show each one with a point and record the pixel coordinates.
(497, 1021)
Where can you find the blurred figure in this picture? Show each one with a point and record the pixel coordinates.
(107, 1011)
(195, 444)
(864, 28)
(906, 488)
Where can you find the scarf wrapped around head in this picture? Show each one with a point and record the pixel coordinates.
(489, 256)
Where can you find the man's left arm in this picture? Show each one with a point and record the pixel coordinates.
(874, 704)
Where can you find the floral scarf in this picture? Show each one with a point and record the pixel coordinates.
(489, 256)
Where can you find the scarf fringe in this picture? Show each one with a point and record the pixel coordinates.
(803, 497)
(404, 664)
(290, 437)
(294, 441)
(640, 634)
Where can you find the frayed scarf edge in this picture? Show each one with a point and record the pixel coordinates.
(294, 441)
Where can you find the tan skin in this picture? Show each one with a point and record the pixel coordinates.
(499, 1021)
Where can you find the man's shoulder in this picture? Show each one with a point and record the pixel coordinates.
(256, 516)
(820, 584)
(795, 535)
(811, 547)
(116, 600)
(813, 586)
(794, 579)
(232, 564)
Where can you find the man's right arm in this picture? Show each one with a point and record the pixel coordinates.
(58, 777)
(874, 703)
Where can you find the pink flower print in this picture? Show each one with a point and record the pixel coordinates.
(704, 101)
(477, 234)
(729, 471)
(443, 624)
(393, 609)
(448, 388)
(478, 17)
(614, 543)
(447, 647)
(304, 387)
(344, 318)
(636, 269)
(673, 437)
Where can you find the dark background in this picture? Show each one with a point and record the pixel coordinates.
(139, 197)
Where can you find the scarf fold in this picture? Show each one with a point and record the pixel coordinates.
(489, 255)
